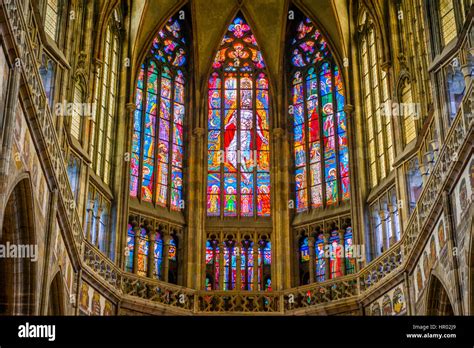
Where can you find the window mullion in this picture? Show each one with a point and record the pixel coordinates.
(154, 193)
(335, 131)
(171, 144)
(238, 154)
(322, 148)
(142, 129)
(306, 140)
(223, 154)
(108, 87)
(372, 109)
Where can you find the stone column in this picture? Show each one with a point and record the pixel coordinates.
(383, 219)
(193, 266)
(151, 250)
(238, 257)
(342, 251)
(136, 232)
(90, 210)
(97, 227)
(328, 259)
(393, 238)
(256, 268)
(312, 259)
(166, 252)
(221, 266)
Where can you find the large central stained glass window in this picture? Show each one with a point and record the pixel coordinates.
(238, 180)
(157, 145)
(319, 121)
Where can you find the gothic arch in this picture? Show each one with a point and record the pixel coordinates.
(107, 10)
(335, 49)
(438, 302)
(204, 83)
(18, 275)
(56, 305)
(373, 8)
(143, 50)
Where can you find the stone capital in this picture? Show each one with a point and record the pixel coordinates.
(130, 107)
(199, 132)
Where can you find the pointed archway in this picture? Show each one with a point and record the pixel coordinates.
(56, 296)
(18, 274)
(438, 302)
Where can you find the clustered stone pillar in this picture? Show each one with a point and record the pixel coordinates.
(136, 233)
(166, 252)
(151, 249)
(383, 217)
(221, 265)
(97, 227)
(328, 259)
(312, 259)
(393, 237)
(342, 252)
(90, 211)
(255, 266)
(238, 256)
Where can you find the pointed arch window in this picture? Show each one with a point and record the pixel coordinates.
(52, 18)
(77, 111)
(409, 113)
(238, 179)
(376, 101)
(158, 145)
(105, 100)
(320, 127)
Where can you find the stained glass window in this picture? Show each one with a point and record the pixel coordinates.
(173, 260)
(335, 259)
(105, 99)
(253, 270)
(158, 255)
(384, 221)
(212, 265)
(447, 21)
(264, 262)
(349, 252)
(98, 221)
(157, 146)
(320, 127)
(73, 172)
(47, 72)
(130, 249)
(230, 265)
(408, 125)
(304, 250)
(143, 244)
(77, 112)
(247, 265)
(320, 258)
(414, 182)
(238, 180)
(377, 107)
(52, 18)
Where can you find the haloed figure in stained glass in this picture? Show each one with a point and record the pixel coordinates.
(156, 173)
(238, 180)
(317, 111)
